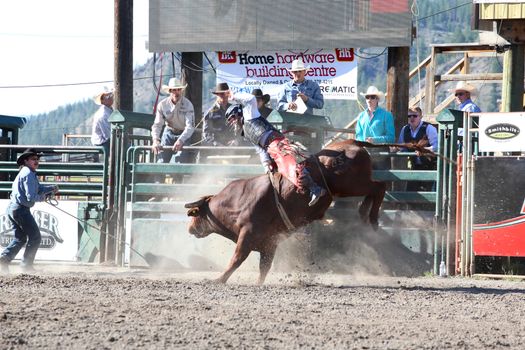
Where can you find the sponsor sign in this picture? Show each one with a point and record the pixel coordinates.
(335, 71)
(501, 132)
(59, 231)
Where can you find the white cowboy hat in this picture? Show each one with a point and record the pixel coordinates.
(464, 86)
(298, 65)
(373, 91)
(174, 83)
(98, 98)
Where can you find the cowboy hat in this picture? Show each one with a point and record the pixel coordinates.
(27, 153)
(174, 83)
(221, 87)
(298, 65)
(373, 91)
(464, 86)
(259, 94)
(98, 98)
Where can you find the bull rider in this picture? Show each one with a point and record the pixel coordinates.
(274, 149)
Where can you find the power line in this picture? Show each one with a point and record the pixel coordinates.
(446, 10)
(67, 84)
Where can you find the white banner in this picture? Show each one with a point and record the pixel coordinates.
(59, 231)
(501, 132)
(334, 70)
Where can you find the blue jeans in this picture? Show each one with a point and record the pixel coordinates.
(26, 230)
(169, 137)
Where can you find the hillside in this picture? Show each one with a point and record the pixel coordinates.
(440, 21)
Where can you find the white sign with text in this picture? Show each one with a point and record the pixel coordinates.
(501, 132)
(334, 70)
(59, 230)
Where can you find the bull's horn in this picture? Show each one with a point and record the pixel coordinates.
(197, 203)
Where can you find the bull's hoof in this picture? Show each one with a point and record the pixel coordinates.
(219, 280)
(375, 225)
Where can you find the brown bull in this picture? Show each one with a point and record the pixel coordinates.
(245, 211)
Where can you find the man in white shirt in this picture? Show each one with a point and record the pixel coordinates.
(101, 130)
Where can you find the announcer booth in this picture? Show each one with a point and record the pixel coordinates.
(493, 196)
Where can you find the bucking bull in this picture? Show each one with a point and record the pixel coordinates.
(246, 211)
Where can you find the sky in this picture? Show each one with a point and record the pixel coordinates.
(49, 42)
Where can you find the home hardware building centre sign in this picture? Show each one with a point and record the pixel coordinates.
(334, 70)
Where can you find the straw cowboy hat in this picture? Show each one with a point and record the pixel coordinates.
(27, 153)
(259, 94)
(298, 65)
(373, 91)
(174, 83)
(98, 98)
(221, 87)
(464, 86)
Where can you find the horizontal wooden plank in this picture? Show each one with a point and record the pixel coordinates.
(404, 175)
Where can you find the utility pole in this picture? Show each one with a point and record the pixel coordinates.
(123, 55)
(192, 74)
(123, 76)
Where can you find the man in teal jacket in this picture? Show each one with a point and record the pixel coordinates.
(375, 124)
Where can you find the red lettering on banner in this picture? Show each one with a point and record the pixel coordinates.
(227, 56)
(344, 55)
(388, 6)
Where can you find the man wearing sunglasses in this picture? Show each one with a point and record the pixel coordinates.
(375, 125)
(463, 92)
(415, 130)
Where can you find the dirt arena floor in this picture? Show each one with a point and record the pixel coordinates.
(98, 307)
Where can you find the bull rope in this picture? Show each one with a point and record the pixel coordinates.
(280, 208)
(52, 201)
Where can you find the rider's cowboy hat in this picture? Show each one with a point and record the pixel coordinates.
(27, 153)
(464, 86)
(221, 87)
(98, 98)
(174, 83)
(373, 91)
(259, 95)
(298, 65)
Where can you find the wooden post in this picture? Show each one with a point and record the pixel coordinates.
(192, 75)
(123, 55)
(397, 97)
(430, 87)
(513, 74)
(397, 85)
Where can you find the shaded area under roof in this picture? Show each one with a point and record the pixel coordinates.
(11, 122)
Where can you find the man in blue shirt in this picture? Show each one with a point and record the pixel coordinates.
(25, 191)
(463, 92)
(375, 125)
(300, 87)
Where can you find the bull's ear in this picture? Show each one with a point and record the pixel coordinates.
(193, 212)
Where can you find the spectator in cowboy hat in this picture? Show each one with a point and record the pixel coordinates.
(463, 93)
(101, 129)
(375, 124)
(175, 115)
(215, 130)
(262, 101)
(300, 87)
(25, 191)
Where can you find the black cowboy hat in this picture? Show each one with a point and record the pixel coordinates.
(259, 94)
(27, 153)
(221, 87)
